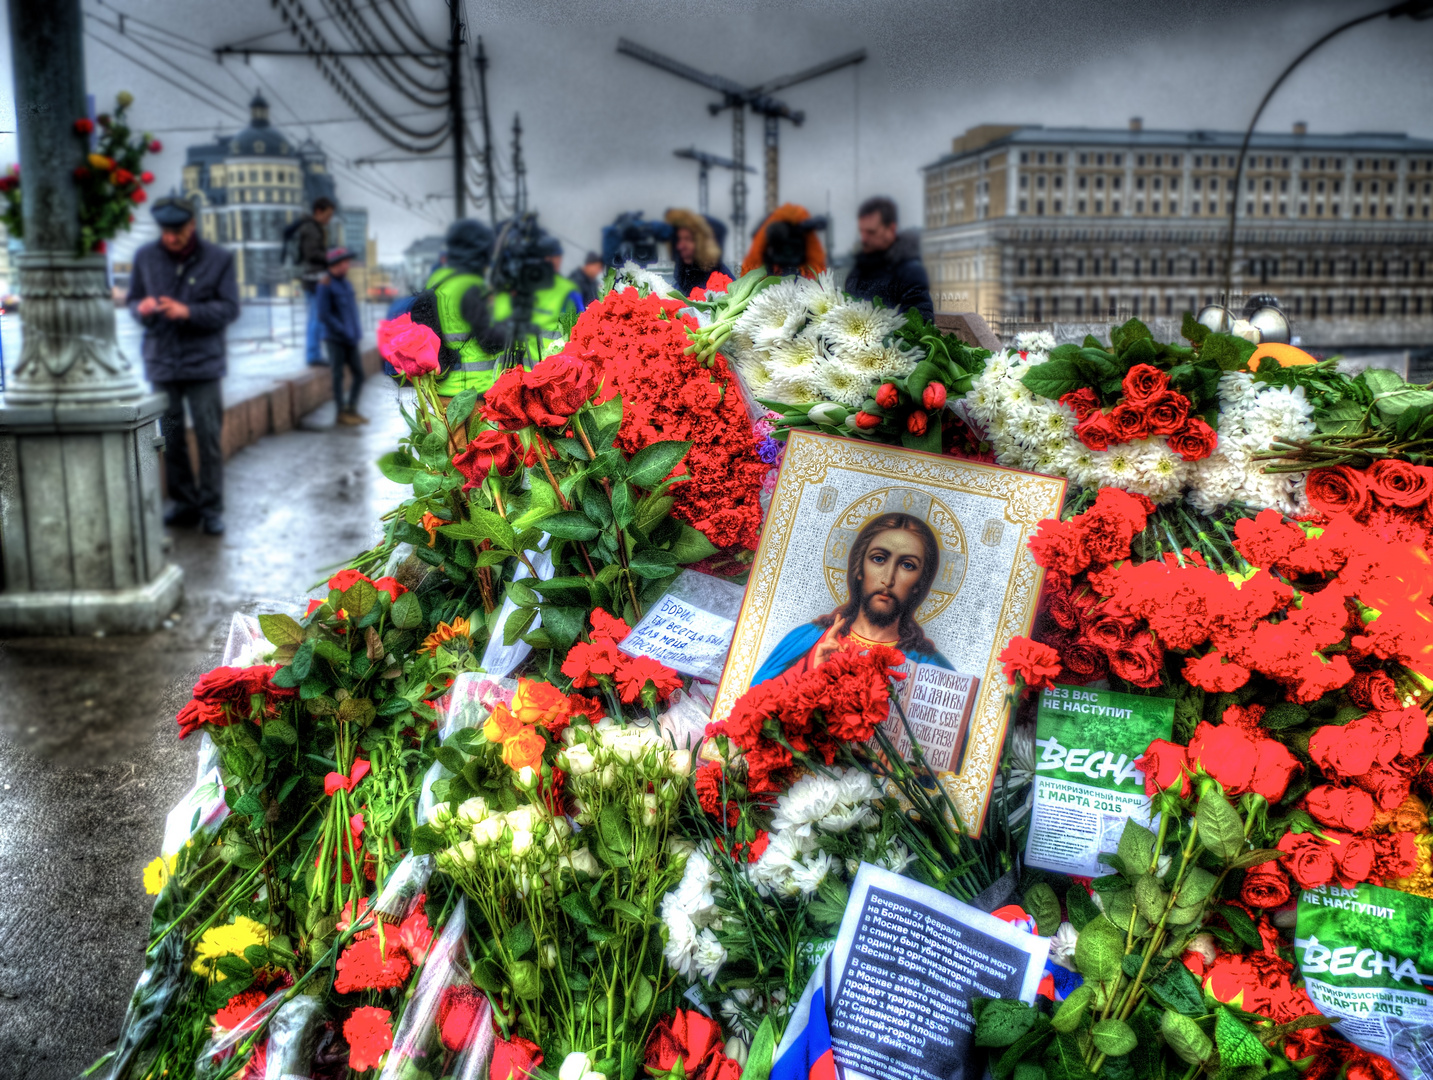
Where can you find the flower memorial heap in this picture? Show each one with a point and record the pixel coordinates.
(1110, 738)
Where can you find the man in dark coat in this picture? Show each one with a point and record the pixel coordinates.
(588, 278)
(889, 266)
(184, 291)
(342, 331)
(311, 240)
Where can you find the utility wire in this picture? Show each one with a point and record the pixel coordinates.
(156, 73)
(358, 35)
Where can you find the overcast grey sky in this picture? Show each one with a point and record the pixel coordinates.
(600, 128)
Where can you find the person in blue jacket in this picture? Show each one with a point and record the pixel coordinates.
(342, 331)
(889, 573)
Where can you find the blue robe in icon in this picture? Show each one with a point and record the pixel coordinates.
(799, 642)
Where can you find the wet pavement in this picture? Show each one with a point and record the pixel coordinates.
(89, 761)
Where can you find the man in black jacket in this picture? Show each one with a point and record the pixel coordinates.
(889, 266)
(184, 291)
(311, 241)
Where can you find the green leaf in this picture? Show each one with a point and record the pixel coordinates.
(1002, 1021)
(692, 546)
(517, 624)
(1221, 830)
(1175, 987)
(518, 940)
(1243, 926)
(564, 624)
(1230, 353)
(301, 664)
(652, 563)
(580, 908)
(570, 525)
(1185, 1037)
(1123, 337)
(1136, 847)
(1113, 1038)
(596, 505)
(640, 996)
(1072, 1010)
(1192, 331)
(359, 599)
(1009, 1063)
(399, 467)
(1098, 949)
(1080, 907)
(1198, 884)
(1041, 902)
(1345, 418)
(615, 829)
(1256, 857)
(281, 629)
(1053, 378)
(427, 840)
(461, 407)
(450, 758)
(650, 511)
(1395, 404)
(1149, 898)
(1065, 1059)
(622, 504)
(489, 976)
(759, 1058)
(651, 465)
(521, 594)
(1238, 1046)
(279, 729)
(407, 612)
(495, 527)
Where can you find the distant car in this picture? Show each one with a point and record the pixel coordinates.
(381, 293)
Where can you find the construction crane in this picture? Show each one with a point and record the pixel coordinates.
(738, 99)
(705, 162)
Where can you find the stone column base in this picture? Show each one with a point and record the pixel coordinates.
(110, 611)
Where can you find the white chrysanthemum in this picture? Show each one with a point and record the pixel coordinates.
(708, 956)
(680, 948)
(822, 294)
(805, 803)
(756, 376)
(880, 362)
(633, 276)
(857, 785)
(785, 851)
(1076, 461)
(895, 858)
(738, 347)
(859, 324)
(797, 388)
(1062, 946)
(842, 384)
(1117, 466)
(1214, 480)
(1236, 391)
(1035, 341)
(801, 351)
(807, 876)
(775, 314)
(1161, 471)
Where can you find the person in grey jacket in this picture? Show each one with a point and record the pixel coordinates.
(184, 291)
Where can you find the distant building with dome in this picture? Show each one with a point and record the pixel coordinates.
(249, 187)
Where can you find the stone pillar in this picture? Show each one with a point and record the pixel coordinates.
(80, 532)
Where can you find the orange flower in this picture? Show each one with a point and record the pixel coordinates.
(540, 703)
(524, 749)
(445, 633)
(430, 523)
(501, 725)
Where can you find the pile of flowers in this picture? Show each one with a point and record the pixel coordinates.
(111, 178)
(1161, 421)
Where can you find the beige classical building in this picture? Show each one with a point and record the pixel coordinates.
(1024, 222)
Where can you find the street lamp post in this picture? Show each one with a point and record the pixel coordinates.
(80, 536)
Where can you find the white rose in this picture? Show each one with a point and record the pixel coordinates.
(649, 810)
(488, 831)
(468, 853)
(527, 778)
(521, 842)
(574, 1066)
(576, 760)
(441, 815)
(472, 811)
(609, 776)
(523, 819)
(680, 763)
(583, 862)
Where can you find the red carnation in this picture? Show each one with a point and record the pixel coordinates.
(1037, 665)
(708, 781)
(1195, 441)
(369, 1036)
(1212, 673)
(364, 966)
(238, 1009)
(1143, 382)
(1059, 545)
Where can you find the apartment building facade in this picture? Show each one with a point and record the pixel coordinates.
(1085, 224)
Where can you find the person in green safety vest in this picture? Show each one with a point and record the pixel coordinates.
(458, 302)
(557, 298)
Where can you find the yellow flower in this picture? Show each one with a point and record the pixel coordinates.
(157, 873)
(229, 940)
(445, 633)
(99, 161)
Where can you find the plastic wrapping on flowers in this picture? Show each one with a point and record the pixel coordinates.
(444, 826)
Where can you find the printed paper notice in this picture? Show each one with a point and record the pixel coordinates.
(1086, 785)
(910, 961)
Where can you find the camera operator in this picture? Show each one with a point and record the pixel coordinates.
(696, 252)
(458, 303)
(786, 243)
(551, 301)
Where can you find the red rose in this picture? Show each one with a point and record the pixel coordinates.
(916, 422)
(1310, 861)
(84, 125)
(138, 195)
(688, 1038)
(1195, 441)
(1129, 422)
(1342, 751)
(347, 579)
(1374, 690)
(1109, 627)
(1059, 545)
(120, 177)
(1353, 857)
(1340, 808)
(934, 396)
(1144, 382)
(1095, 431)
(460, 1012)
(1163, 763)
(1081, 402)
(1337, 489)
(1083, 661)
(1038, 665)
(155, 146)
(503, 402)
(410, 347)
(1140, 661)
(1272, 770)
(488, 451)
(1166, 412)
(146, 177)
(557, 388)
(514, 1059)
(1265, 886)
(887, 396)
(1397, 855)
(865, 421)
(1398, 483)
(1388, 784)
(1226, 753)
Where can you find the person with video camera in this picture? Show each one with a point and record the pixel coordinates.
(889, 266)
(787, 243)
(696, 252)
(458, 304)
(556, 300)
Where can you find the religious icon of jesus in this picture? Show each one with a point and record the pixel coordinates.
(892, 564)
